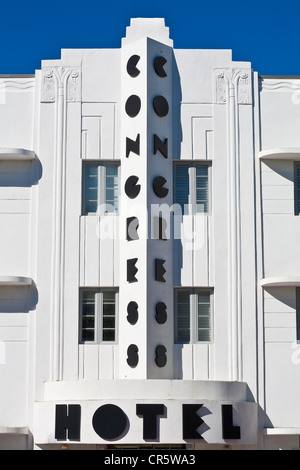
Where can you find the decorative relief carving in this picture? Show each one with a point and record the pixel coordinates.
(221, 89)
(233, 82)
(243, 87)
(58, 85)
(278, 84)
(74, 86)
(48, 86)
(17, 84)
(237, 82)
(68, 79)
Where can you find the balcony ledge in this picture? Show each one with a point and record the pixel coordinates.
(280, 282)
(15, 281)
(14, 430)
(281, 431)
(281, 153)
(16, 154)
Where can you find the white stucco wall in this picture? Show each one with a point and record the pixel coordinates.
(221, 112)
(280, 118)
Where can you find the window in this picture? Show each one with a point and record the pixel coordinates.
(101, 188)
(98, 315)
(192, 187)
(298, 314)
(297, 188)
(193, 315)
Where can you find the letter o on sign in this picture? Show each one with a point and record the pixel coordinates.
(110, 422)
(161, 106)
(133, 106)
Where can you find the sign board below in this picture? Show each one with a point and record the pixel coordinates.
(140, 421)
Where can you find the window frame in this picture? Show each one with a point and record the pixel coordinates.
(192, 193)
(98, 302)
(101, 186)
(296, 189)
(193, 314)
(298, 315)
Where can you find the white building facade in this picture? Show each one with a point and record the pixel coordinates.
(149, 276)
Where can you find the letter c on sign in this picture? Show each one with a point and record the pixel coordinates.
(132, 69)
(159, 63)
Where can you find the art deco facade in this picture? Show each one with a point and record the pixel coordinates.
(149, 275)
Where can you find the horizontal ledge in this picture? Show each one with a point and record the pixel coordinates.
(280, 154)
(280, 282)
(16, 154)
(15, 281)
(10, 430)
(149, 389)
(281, 431)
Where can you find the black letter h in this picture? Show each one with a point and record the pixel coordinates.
(67, 418)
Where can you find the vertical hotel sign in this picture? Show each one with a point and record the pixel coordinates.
(146, 287)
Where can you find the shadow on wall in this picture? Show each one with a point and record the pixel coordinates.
(176, 152)
(14, 176)
(20, 174)
(280, 309)
(284, 296)
(21, 299)
(284, 169)
(176, 108)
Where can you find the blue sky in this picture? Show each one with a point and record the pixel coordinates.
(265, 33)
